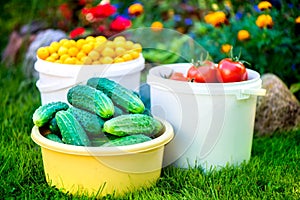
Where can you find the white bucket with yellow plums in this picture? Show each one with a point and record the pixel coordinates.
(66, 63)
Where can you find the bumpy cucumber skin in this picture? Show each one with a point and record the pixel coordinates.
(53, 127)
(132, 124)
(43, 114)
(96, 142)
(71, 130)
(90, 122)
(119, 111)
(91, 99)
(121, 96)
(53, 137)
(127, 140)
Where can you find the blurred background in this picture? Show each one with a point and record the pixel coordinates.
(263, 33)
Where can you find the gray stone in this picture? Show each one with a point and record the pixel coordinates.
(279, 110)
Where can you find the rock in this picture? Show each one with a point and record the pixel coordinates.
(43, 38)
(18, 40)
(279, 110)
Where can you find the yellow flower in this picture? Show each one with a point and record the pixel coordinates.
(225, 48)
(264, 5)
(215, 18)
(157, 26)
(243, 35)
(215, 6)
(264, 21)
(228, 4)
(136, 9)
(171, 13)
(297, 20)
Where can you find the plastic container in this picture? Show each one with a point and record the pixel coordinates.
(213, 123)
(56, 79)
(98, 171)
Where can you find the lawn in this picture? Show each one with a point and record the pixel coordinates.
(272, 173)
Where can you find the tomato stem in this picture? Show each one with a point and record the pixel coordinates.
(201, 61)
(237, 58)
(234, 58)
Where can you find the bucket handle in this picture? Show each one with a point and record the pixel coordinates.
(246, 93)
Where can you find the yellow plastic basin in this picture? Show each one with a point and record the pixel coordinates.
(98, 171)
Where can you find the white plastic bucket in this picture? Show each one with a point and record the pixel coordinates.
(213, 123)
(56, 79)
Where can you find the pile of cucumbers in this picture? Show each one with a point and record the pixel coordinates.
(101, 113)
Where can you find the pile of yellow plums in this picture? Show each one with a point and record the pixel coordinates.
(90, 51)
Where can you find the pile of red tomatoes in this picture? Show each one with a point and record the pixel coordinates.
(226, 71)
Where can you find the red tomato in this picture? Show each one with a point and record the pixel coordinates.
(231, 71)
(205, 73)
(178, 76)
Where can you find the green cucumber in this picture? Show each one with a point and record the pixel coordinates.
(121, 96)
(53, 127)
(127, 140)
(43, 114)
(53, 137)
(147, 112)
(71, 130)
(118, 111)
(131, 124)
(90, 122)
(91, 99)
(98, 140)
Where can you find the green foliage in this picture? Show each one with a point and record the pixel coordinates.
(12, 15)
(269, 50)
(272, 50)
(295, 87)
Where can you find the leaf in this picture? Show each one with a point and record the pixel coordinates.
(295, 88)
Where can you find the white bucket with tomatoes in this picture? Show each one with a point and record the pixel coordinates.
(213, 121)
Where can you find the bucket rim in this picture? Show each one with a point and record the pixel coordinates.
(156, 143)
(155, 79)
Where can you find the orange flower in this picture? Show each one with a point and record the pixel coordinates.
(157, 26)
(243, 35)
(264, 5)
(181, 29)
(225, 48)
(264, 21)
(136, 9)
(215, 18)
(297, 20)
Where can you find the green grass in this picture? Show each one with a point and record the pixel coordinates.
(272, 173)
